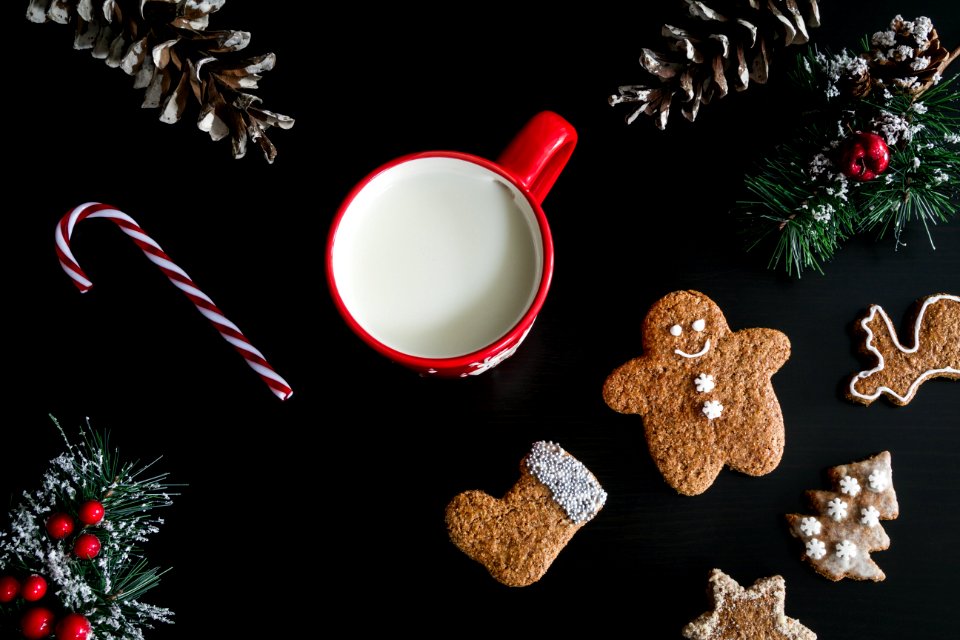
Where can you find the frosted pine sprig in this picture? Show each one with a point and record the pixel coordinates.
(106, 590)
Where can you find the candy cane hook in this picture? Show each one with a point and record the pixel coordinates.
(179, 278)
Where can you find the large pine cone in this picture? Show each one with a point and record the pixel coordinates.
(166, 47)
(729, 42)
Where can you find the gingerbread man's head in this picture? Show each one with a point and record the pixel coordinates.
(683, 325)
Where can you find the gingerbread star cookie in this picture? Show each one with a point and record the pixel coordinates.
(704, 392)
(518, 537)
(746, 614)
(899, 370)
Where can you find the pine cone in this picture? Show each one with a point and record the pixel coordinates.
(727, 43)
(165, 46)
(908, 58)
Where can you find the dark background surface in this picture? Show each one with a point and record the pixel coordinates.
(328, 508)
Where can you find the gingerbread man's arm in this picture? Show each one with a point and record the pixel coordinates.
(623, 389)
(768, 347)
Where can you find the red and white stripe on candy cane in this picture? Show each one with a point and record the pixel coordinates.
(230, 332)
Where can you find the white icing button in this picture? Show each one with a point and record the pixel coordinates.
(712, 409)
(704, 383)
(676, 330)
(699, 325)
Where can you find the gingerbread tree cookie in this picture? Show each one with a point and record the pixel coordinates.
(704, 392)
(755, 613)
(838, 541)
(518, 537)
(900, 370)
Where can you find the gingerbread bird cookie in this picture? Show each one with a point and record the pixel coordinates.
(704, 392)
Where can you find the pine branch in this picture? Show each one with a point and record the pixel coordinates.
(105, 589)
(803, 207)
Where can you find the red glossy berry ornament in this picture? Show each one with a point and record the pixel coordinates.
(34, 588)
(9, 589)
(73, 626)
(90, 512)
(59, 526)
(864, 156)
(36, 623)
(86, 546)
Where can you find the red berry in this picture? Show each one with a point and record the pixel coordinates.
(59, 526)
(36, 623)
(90, 513)
(73, 626)
(864, 156)
(86, 546)
(34, 588)
(9, 589)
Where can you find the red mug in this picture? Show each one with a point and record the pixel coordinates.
(442, 260)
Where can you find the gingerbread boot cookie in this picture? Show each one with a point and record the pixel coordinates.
(518, 537)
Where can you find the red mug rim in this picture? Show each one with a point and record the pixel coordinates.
(460, 361)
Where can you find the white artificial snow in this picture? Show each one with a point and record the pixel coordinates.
(883, 39)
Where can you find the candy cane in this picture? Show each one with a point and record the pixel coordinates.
(229, 331)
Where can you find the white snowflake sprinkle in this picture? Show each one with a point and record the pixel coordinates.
(837, 509)
(810, 527)
(704, 383)
(712, 409)
(846, 550)
(816, 549)
(870, 516)
(878, 480)
(849, 486)
(951, 138)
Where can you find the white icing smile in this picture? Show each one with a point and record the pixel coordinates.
(706, 348)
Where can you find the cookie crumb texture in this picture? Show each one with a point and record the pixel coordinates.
(931, 350)
(756, 613)
(704, 392)
(838, 540)
(519, 536)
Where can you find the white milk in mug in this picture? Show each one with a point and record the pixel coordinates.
(438, 257)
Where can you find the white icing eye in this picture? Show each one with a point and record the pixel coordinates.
(676, 330)
(699, 325)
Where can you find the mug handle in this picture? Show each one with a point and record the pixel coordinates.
(539, 152)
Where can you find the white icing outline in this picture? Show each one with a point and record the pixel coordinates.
(706, 348)
(896, 341)
(703, 325)
(676, 330)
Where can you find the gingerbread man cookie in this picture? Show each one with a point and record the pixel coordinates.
(704, 392)
(899, 370)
